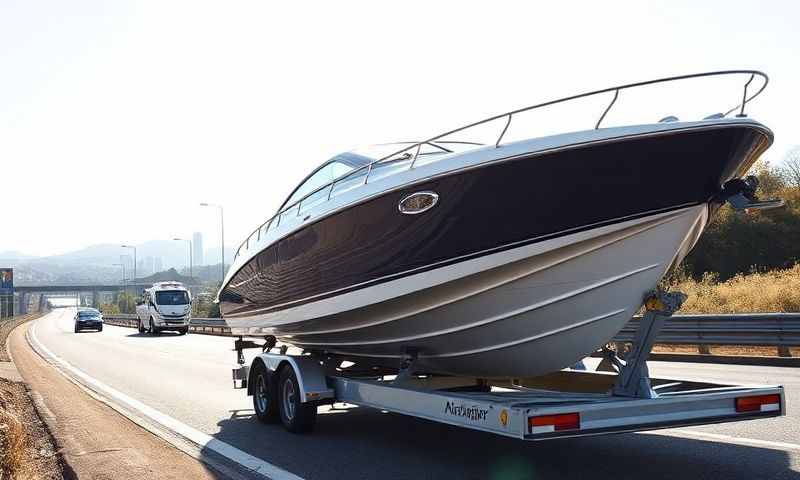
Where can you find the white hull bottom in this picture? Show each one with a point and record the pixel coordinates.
(517, 313)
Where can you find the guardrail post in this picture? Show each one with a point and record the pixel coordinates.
(783, 351)
(703, 349)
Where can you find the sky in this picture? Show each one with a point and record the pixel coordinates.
(117, 119)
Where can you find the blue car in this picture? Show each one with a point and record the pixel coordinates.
(88, 318)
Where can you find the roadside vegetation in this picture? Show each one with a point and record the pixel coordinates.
(737, 243)
(123, 303)
(771, 291)
(14, 442)
(749, 262)
(26, 448)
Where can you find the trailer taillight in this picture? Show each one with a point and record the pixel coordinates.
(554, 423)
(760, 403)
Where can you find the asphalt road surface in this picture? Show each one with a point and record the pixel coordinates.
(188, 378)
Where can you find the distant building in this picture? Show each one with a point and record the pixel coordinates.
(149, 265)
(127, 260)
(158, 265)
(197, 245)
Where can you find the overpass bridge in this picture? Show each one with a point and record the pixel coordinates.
(94, 290)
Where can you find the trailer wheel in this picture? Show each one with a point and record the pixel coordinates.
(265, 402)
(297, 417)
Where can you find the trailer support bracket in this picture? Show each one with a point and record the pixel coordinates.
(633, 379)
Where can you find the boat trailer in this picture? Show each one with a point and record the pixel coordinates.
(568, 403)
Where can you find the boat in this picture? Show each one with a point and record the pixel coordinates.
(510, 259)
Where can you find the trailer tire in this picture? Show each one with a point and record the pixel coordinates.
(297, 417)
(265, 401)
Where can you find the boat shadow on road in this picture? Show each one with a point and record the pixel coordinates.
(365, 443)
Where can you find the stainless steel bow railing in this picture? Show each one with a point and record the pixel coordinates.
(434, 141)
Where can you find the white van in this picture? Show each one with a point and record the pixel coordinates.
(164, 306)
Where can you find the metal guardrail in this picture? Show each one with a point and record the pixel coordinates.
(206, 326)
(756, 329)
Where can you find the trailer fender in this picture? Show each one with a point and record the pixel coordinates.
(310, 374)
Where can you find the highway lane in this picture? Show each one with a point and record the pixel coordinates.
(188, 378)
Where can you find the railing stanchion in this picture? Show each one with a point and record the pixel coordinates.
(502, 134)
(419, 146)
(369, 170)
(744, 95)
(605, 112)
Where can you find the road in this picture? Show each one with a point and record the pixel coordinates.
(188, 378)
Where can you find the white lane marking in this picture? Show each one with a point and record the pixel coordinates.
(727, 439)
(229, 451)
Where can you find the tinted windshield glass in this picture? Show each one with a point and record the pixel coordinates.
(177, 297)
(323, 176)
(88, 314)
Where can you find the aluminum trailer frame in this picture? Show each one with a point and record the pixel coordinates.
(520, 410)
(568, 403)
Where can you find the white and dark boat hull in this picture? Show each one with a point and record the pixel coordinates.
(524, 311)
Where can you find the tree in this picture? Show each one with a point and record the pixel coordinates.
(739, 242)
(109, 309)
(770, 179)
(791, 168)
(126, 303)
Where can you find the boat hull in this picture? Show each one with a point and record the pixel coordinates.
(523, 312)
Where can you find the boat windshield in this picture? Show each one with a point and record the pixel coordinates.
(384, 150)
(354, 161)
(326, 173)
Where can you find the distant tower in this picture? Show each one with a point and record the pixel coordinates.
(197, 244)
(158, 264)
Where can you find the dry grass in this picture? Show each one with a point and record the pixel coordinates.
(27, 451)
(732, 350)
(775, 291)
(14, 444)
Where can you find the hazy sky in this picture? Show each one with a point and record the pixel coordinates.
(118, 118)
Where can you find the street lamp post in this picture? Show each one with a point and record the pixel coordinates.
(191, 275)
(222, 232)
(134, 265)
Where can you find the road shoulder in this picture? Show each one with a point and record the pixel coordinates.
(95, 441)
